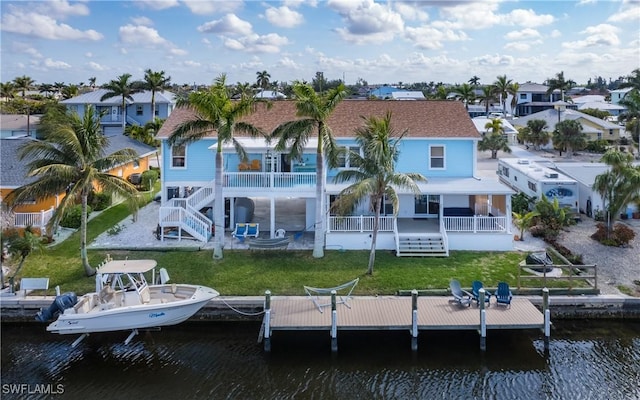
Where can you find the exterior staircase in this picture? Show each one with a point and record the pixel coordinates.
(184, 214)
(431, 244)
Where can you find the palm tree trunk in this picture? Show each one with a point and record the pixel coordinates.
(218, 205)
(318, 243)
(88, 270)
(374, 237)
(153, 105)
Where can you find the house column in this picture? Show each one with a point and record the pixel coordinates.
(272, 216)
(509, 218)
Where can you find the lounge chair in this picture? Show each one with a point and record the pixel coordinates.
(503, 294)
(475, 293)
(253, 230)
(462, 297)
(240, 232)
(255, 165)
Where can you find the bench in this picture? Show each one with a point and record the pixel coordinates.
(268, 244)
(28, 284)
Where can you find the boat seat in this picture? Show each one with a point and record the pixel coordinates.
(106, 294)
(145, 295)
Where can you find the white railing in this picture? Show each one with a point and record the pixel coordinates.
(34, 219)
(477, 223)
(269, 179)
(196, 224)
(202, 196)
(445, 237)
(360, 223)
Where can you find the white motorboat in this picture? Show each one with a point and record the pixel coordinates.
(123, 300)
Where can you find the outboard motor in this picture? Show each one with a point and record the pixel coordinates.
(61, 303)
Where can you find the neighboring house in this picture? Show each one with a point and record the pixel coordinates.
(618, 94)
(597, 102)
(533, 98)
(595, 128)
(13, 174)
(16, 125)
(270, 95)
(383, 92)
(457, 209)
(138, 111)
(510, 132)
(408, 95)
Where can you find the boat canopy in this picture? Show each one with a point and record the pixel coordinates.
(127, 266)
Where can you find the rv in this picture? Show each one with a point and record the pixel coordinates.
(535, 180)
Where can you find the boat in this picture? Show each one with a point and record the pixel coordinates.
(124, 300)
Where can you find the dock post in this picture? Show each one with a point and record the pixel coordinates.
(267, 321)
(547, 317)
(334, 323)
(414, 320)
(483, 321)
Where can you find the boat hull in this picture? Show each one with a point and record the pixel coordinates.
(133, 317)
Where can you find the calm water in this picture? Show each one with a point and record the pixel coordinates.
(586, 360)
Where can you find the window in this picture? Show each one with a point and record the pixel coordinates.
(436, 157)
(523, 96)
(343, 158)
(505, 171)
(139, 109)
(136, 163)
(179, 156)
(532, 186)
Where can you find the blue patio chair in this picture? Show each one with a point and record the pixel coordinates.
(253, 230)
(475, 293)
(462, 297)
(503, 294)
(240, 232)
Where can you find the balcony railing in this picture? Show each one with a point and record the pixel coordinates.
(359, 223)
(34, 219)
(269, 179)
(477, 223)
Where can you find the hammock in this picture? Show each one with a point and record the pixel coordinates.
(315, 293)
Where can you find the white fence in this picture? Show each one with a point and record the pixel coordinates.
(359, 223)
(34, 219)
(269, 179)
(477, 223)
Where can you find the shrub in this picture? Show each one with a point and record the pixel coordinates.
(148, 179)
(73, 217)
(597, 146)
(521, 203)
(99, 200)
(620, 236)
(157, 169)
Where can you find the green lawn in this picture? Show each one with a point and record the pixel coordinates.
(282, 272)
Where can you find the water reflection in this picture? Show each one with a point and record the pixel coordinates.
(204, 361)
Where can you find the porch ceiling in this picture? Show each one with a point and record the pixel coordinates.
(259, 145)
(466, 186)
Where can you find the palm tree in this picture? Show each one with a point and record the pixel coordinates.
(59, 86)
(487, 96)
(633, 80)
(373, 175)
(216, 112)
(263, 79)
(123, 88)
(47, 89)
(474, 81)
(618, 186)
(441, 93)
(72, 159)
(7, 90)
(523, 221)
(631, 116)
(70, 91)
(535, 133)
(513, 91)
(466, 93)
(92, 82)
(23, 83)
(502, 89)
(156, 82)
(495, 139)
(243, 89)
(314, 111)
(23, 245)
(568, 135)
(559, 82)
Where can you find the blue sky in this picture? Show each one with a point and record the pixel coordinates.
(194, 41)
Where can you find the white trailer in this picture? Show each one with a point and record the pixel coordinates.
(534, 179)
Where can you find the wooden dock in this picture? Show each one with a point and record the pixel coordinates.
(400, 313)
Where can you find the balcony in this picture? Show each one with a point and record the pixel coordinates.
(270, 180)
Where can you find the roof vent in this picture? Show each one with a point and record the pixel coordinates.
(523, 161)
(550, 174)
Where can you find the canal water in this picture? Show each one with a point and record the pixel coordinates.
(586, 360)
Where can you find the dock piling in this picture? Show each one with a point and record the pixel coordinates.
(483, 320)
(414, 320)
(334, 323)
(547, 317)
(267, 321)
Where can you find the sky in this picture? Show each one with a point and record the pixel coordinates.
(194, 41)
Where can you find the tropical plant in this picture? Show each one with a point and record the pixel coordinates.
(215, 111)
(70, 91)
(123, 88)
(71, 158)
(243, 89)
(633, 80)
(263, 79)
(617, 187)
(47, 89)
(474, 80)
(502, 87)
(487, 96)
(513, 91)
(92, 82)
(23, 245)
(155, 81)
(631, 115)
(441, 93)
(569, 136)
(559, 83)
(373, 176)
(313, 111)
(23, 83)
(7, 90)
(466, 94)
(522, 203)
(551, 218)
(523, 221)
(494, 139)
(535, 133)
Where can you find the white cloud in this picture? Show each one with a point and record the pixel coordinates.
(49, 63)
(555, 34)
(599, 35)
(286, 62)
(141, 35)
(410, 12)
(201, 7)
(495, 60)
(254, 43)
(156, 4)
(229, 24)
(62, 8)
(428, 37)
(524, 34)
(96, 67)
(469, 15)
(518, 46)
(366, 21)
(142, 21)
(191, 63)
(283, 17)
(88, 54)
(178, 52)
(529, 18)
(629, 11)
(43, 26)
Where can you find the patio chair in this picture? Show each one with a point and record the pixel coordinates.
(475, 293)
(255, 165)
(240, 232)
(503, 294)
(253, 230)
(462, 297)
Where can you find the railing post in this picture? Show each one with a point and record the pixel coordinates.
(483, 320)
(475, 224)
(267, 321)
(595, 276)
(334, 323)
(42, 232)
(547, 317)
(414, 320)
(361, 223)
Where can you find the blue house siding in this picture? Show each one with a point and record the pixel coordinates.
(200, 163)
(458, 157)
